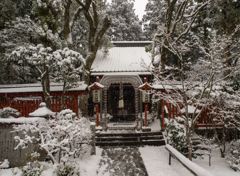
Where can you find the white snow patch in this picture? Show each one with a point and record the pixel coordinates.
(21, 120)
(219, 165)
(42, 111)
(193, 166)
(155, 125)
(89, 166)
(4, 164)
(191, 109)
(156, 162)
(97, 84)
(11, 172)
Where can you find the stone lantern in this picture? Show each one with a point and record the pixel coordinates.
(42, 111)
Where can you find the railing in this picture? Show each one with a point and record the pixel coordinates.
(191, 166)
(26, 105)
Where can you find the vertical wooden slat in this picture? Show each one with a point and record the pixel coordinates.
(162, 121)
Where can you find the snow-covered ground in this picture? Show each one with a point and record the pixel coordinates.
(219, 165)
(87, 166)
(121, 161)
(156, 162)
(154, 158)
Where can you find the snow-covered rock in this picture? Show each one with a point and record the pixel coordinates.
(4, 164)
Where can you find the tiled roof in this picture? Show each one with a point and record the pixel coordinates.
(124, 56)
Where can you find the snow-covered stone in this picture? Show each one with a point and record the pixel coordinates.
(4, 164)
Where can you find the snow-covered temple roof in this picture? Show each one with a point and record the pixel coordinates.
(36, 87)
(123, 56)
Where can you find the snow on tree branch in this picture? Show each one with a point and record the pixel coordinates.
(61, 138)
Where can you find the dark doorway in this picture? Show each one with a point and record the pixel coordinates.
(124, 111)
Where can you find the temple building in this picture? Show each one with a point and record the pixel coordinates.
(121, 69)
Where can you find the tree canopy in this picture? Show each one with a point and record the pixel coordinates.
(125, 23)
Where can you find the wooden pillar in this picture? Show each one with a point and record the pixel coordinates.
(162, 119)
(167, 105)
(105, 101)
(145, 114)
(105, 120)
(75, 104)
(173, 111)
(97, 114)
(136, 108)
(170, 110)
(177, 110)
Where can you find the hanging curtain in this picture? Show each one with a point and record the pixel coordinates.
(121, 102)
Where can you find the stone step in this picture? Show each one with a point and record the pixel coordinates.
(130, 139)
(127, 138)
(130, 143)
(113, 138)
(129, 134)
(121, 128)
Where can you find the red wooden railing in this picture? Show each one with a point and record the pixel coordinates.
(205, 119)
(26, 106)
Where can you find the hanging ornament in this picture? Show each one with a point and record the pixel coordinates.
(121, 102)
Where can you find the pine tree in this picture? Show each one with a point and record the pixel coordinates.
(153, 18)
(125, 24)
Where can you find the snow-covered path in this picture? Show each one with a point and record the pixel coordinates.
(121, 161)
(156, 162)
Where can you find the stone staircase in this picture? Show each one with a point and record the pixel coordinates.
(130, 138)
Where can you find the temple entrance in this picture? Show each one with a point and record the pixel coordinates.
(121, 102)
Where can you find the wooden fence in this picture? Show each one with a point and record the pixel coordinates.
(168, 110)
(17, 157)
(26, 105)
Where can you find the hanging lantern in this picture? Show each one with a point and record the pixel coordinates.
(96, 96)
(96, 89)
(146, 91)
(145, 88)
(145, 96)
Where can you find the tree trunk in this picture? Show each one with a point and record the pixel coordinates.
(89, 61)
(46, 87)
(223, 149)
(63, 96)
(227, 60)
(67, 27)
(163, 58)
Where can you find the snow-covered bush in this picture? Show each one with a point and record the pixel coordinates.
(32, 169)
(176, 134)
(61, 138)
(233, 155)
(67, 170)
(9, 112)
